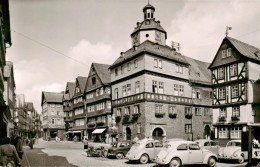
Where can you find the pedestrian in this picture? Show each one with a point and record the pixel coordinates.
(19, 146)
(85, 142)
(31, 143)
(57, 138)
(8, 153)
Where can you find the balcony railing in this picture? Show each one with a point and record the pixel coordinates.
(235, 118)
(188, 115)
(172, 115)
(222, 118)
(159, 115)
(151, 97)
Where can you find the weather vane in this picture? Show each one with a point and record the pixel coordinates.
(228, 28)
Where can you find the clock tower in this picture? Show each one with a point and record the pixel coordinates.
(149, 29)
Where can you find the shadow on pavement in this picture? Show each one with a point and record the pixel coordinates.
(36, 157)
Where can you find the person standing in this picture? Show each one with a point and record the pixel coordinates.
(85, 142)
(8, 153)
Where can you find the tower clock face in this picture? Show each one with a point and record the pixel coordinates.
(157, 36)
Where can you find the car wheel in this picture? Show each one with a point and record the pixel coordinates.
(119, 155)
(212, 162)
(241, 159)
(175, 162)
(144, 159)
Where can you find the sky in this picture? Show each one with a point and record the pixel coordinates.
(53, 42)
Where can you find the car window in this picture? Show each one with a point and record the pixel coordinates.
(182, 147)
(234, 144)
(122, 145)
(213, 143)
(194, 147)
(207, 143)
(149, 145)
(158, 144)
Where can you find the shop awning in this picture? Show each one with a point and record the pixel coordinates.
(98, 131)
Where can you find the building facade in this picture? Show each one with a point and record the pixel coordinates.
(79, 114)
(20, 115)
(5, 41)
(100, 124)
(152, 87)
(53, 115)
(68, 108)
(235, 81)
(9, 94)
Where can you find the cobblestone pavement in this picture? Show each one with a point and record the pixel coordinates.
(67, 153)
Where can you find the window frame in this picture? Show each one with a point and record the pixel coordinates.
(188, 129)
(236, 113)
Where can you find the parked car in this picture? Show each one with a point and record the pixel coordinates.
(256, 149)
(98, 149)
(144, 150)
(208, 145)
(179, 153)
(232, 151)
(120, 149)
(165, 143)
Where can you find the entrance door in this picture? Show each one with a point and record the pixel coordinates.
(207, 131)
(158, 134)
(128, 133)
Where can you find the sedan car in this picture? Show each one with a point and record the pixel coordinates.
(208, 145)
(233, 151)
(144, 150)
(179, 153)
(120, 149)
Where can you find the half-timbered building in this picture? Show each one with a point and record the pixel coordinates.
(68, 108)
(98, 103)
(235, 70)
(79, 115)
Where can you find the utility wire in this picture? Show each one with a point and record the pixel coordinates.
(48, 47)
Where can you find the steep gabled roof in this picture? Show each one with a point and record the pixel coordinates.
(103, 72)
(152, 48)
(245, 49)
(199, 72)
(71, 86)
(29, 106)
(66, 97)
(52, 97)
(250, 52)
(82, 83)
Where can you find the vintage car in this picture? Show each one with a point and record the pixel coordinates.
(98, 149)
(179, 153)
(256, 150)
(120, 149)
(144, 150)
(232, 151)
(208, 145)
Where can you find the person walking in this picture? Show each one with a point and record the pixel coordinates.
(19, 146)
(9, 156)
